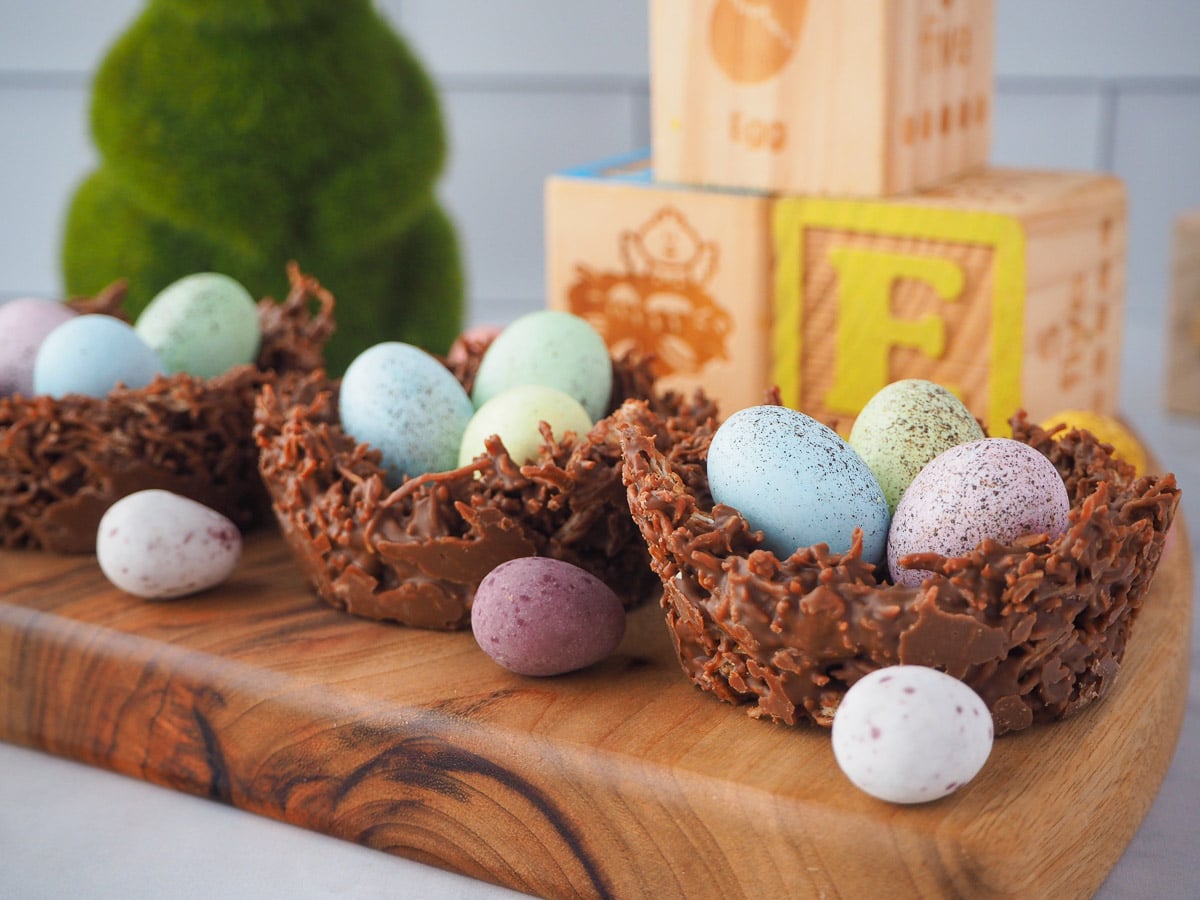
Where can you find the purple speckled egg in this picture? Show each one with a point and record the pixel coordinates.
(992, 488)
(540, 616)
(25, 322)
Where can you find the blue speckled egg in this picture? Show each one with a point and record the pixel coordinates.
(904, 426)
(203, 324)
(406, 404)
(993, 488)
(550, 348)
(797, 481)
(91, 355)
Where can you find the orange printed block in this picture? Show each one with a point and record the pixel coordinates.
(1005, 286)
(862, 98)
(682, 274)
(1183, 341)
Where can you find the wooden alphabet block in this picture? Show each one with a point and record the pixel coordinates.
(682, 274)
(1183, 341)
(862, 98)
(1006, 286)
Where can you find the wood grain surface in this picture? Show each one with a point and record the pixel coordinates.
(623, 780)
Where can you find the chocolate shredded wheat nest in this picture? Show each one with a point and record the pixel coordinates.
(416, 554)
(1037, 627)
(63, 462)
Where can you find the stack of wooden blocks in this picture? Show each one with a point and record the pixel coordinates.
(818, 214)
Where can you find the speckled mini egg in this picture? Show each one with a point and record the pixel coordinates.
(203, 324)
(515, 415)
(797, 481)
(540, 616)
(91, 355)
(993, 488)
(1107, 429)
(403, 402)
(904, 426)
(551, 348)
(911, 734)
(25, 322)
(160, 545)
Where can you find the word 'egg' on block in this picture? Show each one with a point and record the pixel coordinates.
(870, 98)
(1006, 286)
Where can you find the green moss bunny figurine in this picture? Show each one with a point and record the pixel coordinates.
(236, 135)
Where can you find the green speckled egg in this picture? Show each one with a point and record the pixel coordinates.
(202, 324)
(906, 425)
(515, 415)
(551, 348)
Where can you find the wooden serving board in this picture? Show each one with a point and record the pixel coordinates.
(623, 780)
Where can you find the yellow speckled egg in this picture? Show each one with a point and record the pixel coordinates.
(1107, 429)
(516, 414)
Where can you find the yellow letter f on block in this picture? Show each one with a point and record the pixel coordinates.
(866, 328)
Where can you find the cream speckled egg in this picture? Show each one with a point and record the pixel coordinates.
(911, 734)
(160, 545)
(515, 415)
(797, 481)
(551, 348)
(904, 426)
(203, 324)
(994, 488)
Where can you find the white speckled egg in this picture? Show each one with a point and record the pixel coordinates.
(403, 402)
(798, 482)
(91, 355)
(904, 426)
(160, 545)
(551, 348)
(203, 324)
(24, 323)
(994, 488)
(910, 734)
(515, 416)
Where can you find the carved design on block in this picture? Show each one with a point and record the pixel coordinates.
(659, 304)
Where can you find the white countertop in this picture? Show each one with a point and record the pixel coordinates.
(68, 830)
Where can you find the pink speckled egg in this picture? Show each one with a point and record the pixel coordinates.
(25, 322)
(992, 488)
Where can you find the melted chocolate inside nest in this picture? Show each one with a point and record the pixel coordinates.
(1037, 627)
(415, 555)
(64, 462)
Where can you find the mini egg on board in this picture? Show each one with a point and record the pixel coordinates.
(797, 481)
(515, 415)
(995, 488)
(904, 426)
(91, 355)
(911, 734)
(552, 348)
(203, 324)
(25, 322)
(535, 615)
(159, 545)
(405, 403)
